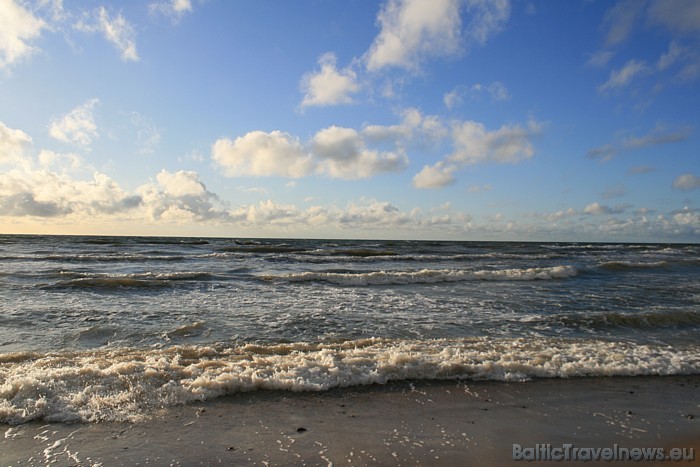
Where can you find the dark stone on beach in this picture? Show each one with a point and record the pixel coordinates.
(629, 412)
(301, 430)
(690, 416)
(230, 448)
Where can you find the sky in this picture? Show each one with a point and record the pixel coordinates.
(398, 119)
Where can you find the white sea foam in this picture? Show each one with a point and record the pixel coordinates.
(127, 384)
(428, 276)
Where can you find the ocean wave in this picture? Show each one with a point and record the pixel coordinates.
(255, 248)
(353, 252)
(128, 384)
(427, 276)
(119, 281)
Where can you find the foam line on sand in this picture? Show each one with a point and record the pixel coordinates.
(403, 423)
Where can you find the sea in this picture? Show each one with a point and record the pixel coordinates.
(96, 329)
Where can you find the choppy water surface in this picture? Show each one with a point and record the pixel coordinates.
(85, 321)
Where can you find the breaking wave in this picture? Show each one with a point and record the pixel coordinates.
(427, 276)
(144, 280)
(128, 384)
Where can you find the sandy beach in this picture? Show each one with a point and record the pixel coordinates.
(406, 423)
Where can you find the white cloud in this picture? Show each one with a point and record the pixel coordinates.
(328, 86)
(335, 152)
(77, 126)
(175, 9)
(180, 197)
(116, 30)
(414, 126)
(28, 190)
(437, 176)
(621, 77)
(474, 144)
(412, 30)
(686, 182)
(181, 183)
(13, 144)
(562, 214)
(510, 144)
(688, 218)
(66, 163)
(263, 154)
(19, 28)
(598, 209)
(41, 193)
(342, 153)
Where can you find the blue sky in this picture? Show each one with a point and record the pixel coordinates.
(440, 119)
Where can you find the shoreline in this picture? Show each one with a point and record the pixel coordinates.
(400, 423)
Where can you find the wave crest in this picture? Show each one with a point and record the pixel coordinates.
(127, 384)
(428, 276)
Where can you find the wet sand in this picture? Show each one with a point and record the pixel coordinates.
(408, 423)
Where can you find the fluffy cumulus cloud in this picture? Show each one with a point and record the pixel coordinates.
(329, 86)
(474, 144)
(334, 152)
(410, 33)
(342, 153)
(180, 197)
(414, 127)
(258, 153)
(43, 193)
(19, 28)
(30, 187)
(413, 30)
(77, 126)
(114, 28)
(597, 209)
(437, 176)
(13, 143)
